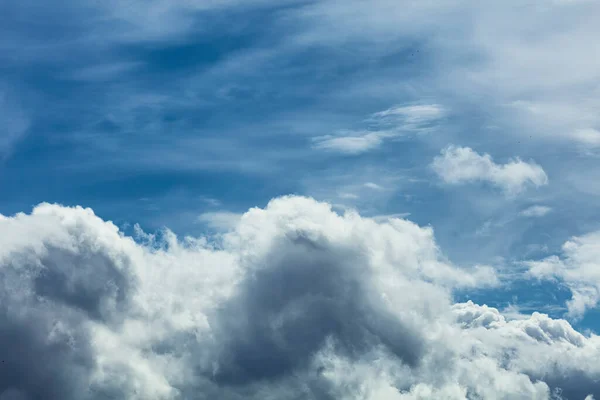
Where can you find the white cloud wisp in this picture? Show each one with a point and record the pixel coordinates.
(386, 124)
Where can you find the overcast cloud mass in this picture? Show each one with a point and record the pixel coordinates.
(289, 200)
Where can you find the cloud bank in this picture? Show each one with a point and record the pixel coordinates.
(458, 165)
(295, 301)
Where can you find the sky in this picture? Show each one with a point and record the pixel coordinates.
(299, 199)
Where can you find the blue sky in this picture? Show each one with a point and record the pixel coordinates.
(145, 113)
(479, 120)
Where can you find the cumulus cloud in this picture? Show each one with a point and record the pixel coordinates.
(578, 267)
(295, 301)
(458, 165)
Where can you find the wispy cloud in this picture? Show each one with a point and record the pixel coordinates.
(587, 136)
(103, 72)
(409, 118)
(386, 124)
(220, 220)
(535, 211)
(576, 122)
(357, 143)
(374, 186)
(459, 165)
(13, 125)
(387, 217)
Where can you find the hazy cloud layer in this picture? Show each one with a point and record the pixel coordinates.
(294, 302)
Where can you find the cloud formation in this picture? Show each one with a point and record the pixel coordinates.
(386, 124)
(295, 301)
(458, 165)
(418, 117)
(535, 211)
(356, 143)
(220, 220)
(578, 267)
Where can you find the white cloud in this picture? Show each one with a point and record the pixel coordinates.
(492, 55)
(294, 299)
(387, 217)
(357, 143)
(578, 268)
(393, 122)
(350, 196)
(587, 136)
(574, 122)
(410, 118)
(221, 220)
(210, 201)
(457, 165)
(374, 186)
(535, 211)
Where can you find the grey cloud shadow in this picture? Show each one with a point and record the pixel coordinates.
(286, 311)
(85, 281)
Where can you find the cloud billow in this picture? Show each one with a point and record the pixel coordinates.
(459, 165)
(293, 301)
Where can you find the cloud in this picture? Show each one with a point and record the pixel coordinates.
(221, 220)
(577, 268)
(390, 123)
(409, 118)
(588, 136)
(386, 217)
(575, 122)
(374, 186)
(357, 143)
(535, 211)
(295, 300)
(458, 165)
(492, 55)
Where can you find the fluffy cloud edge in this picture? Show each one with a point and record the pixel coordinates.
(329, 305)
(459, 165)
